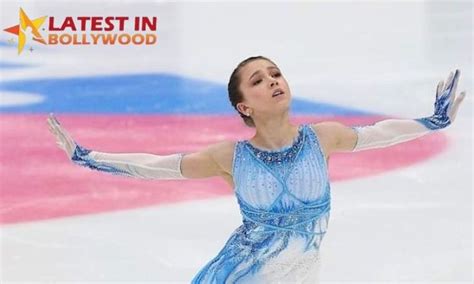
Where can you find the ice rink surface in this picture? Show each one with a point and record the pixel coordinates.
(409, 223)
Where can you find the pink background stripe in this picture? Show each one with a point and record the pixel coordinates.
(38, 182)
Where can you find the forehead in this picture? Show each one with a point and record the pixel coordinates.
(255, 65)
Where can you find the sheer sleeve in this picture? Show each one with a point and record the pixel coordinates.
(137, 165)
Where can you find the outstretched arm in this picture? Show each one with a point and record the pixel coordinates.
(393, 131)
(138, 165)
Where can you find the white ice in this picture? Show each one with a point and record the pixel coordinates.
(413, 224)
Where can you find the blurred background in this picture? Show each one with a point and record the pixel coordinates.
(401, 213)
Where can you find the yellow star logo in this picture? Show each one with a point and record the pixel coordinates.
(21, 29)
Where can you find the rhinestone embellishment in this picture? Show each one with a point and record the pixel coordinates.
(277, 157)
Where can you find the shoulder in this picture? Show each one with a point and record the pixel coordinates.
(325, 136)
(222, 147)
(213, 160)
(326, 130)
(223, 152)
(335, 136)
(327, 125)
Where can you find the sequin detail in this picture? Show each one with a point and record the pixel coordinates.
(280, 158)
(440, 118)
(434, 122)
(285, 205)
(297, 221)
(81, 156)
(283, 155)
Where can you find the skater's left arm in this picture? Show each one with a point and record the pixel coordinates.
(393, 131)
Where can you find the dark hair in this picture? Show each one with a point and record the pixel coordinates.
(235, 95)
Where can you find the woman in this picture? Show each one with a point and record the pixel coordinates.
(279, 176)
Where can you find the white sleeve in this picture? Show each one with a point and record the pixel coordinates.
(393, 131)
(388, 132)
(138, 165)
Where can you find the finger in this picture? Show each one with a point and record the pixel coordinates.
(51, 120)
(458, 102)
(51, 115)
(50, 123)
(55, 122)
(60, 143)
(62, 139)
(59, 139)
(439, 89)
(456, 105)
(51, 129)
(56, 129)
(448, 83)
(453, 77)
(65, 137)
(451, 89)
(454, 84)
(63, 133)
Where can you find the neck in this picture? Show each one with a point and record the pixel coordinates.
(275, 132)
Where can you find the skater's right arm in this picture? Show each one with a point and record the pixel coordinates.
(211, 161)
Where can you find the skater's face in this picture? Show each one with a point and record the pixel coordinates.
(264, 89)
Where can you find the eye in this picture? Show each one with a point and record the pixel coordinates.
(257, 82)
(278, 74)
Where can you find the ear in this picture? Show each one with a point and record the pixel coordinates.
(243, 108)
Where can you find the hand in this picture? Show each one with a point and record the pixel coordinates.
(447, 103)
(63, 139)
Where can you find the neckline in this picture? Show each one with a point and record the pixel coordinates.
(281, 149)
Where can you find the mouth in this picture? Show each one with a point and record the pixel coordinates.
(277, 92)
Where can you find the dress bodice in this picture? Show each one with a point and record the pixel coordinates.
(284, 199)
(283, 179)
(283, 189)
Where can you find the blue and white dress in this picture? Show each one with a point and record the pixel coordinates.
(284, 199)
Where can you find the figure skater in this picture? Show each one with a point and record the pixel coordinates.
(279, 176)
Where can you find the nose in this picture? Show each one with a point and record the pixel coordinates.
(274, 82)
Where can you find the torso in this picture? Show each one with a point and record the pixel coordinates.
(225, 157)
